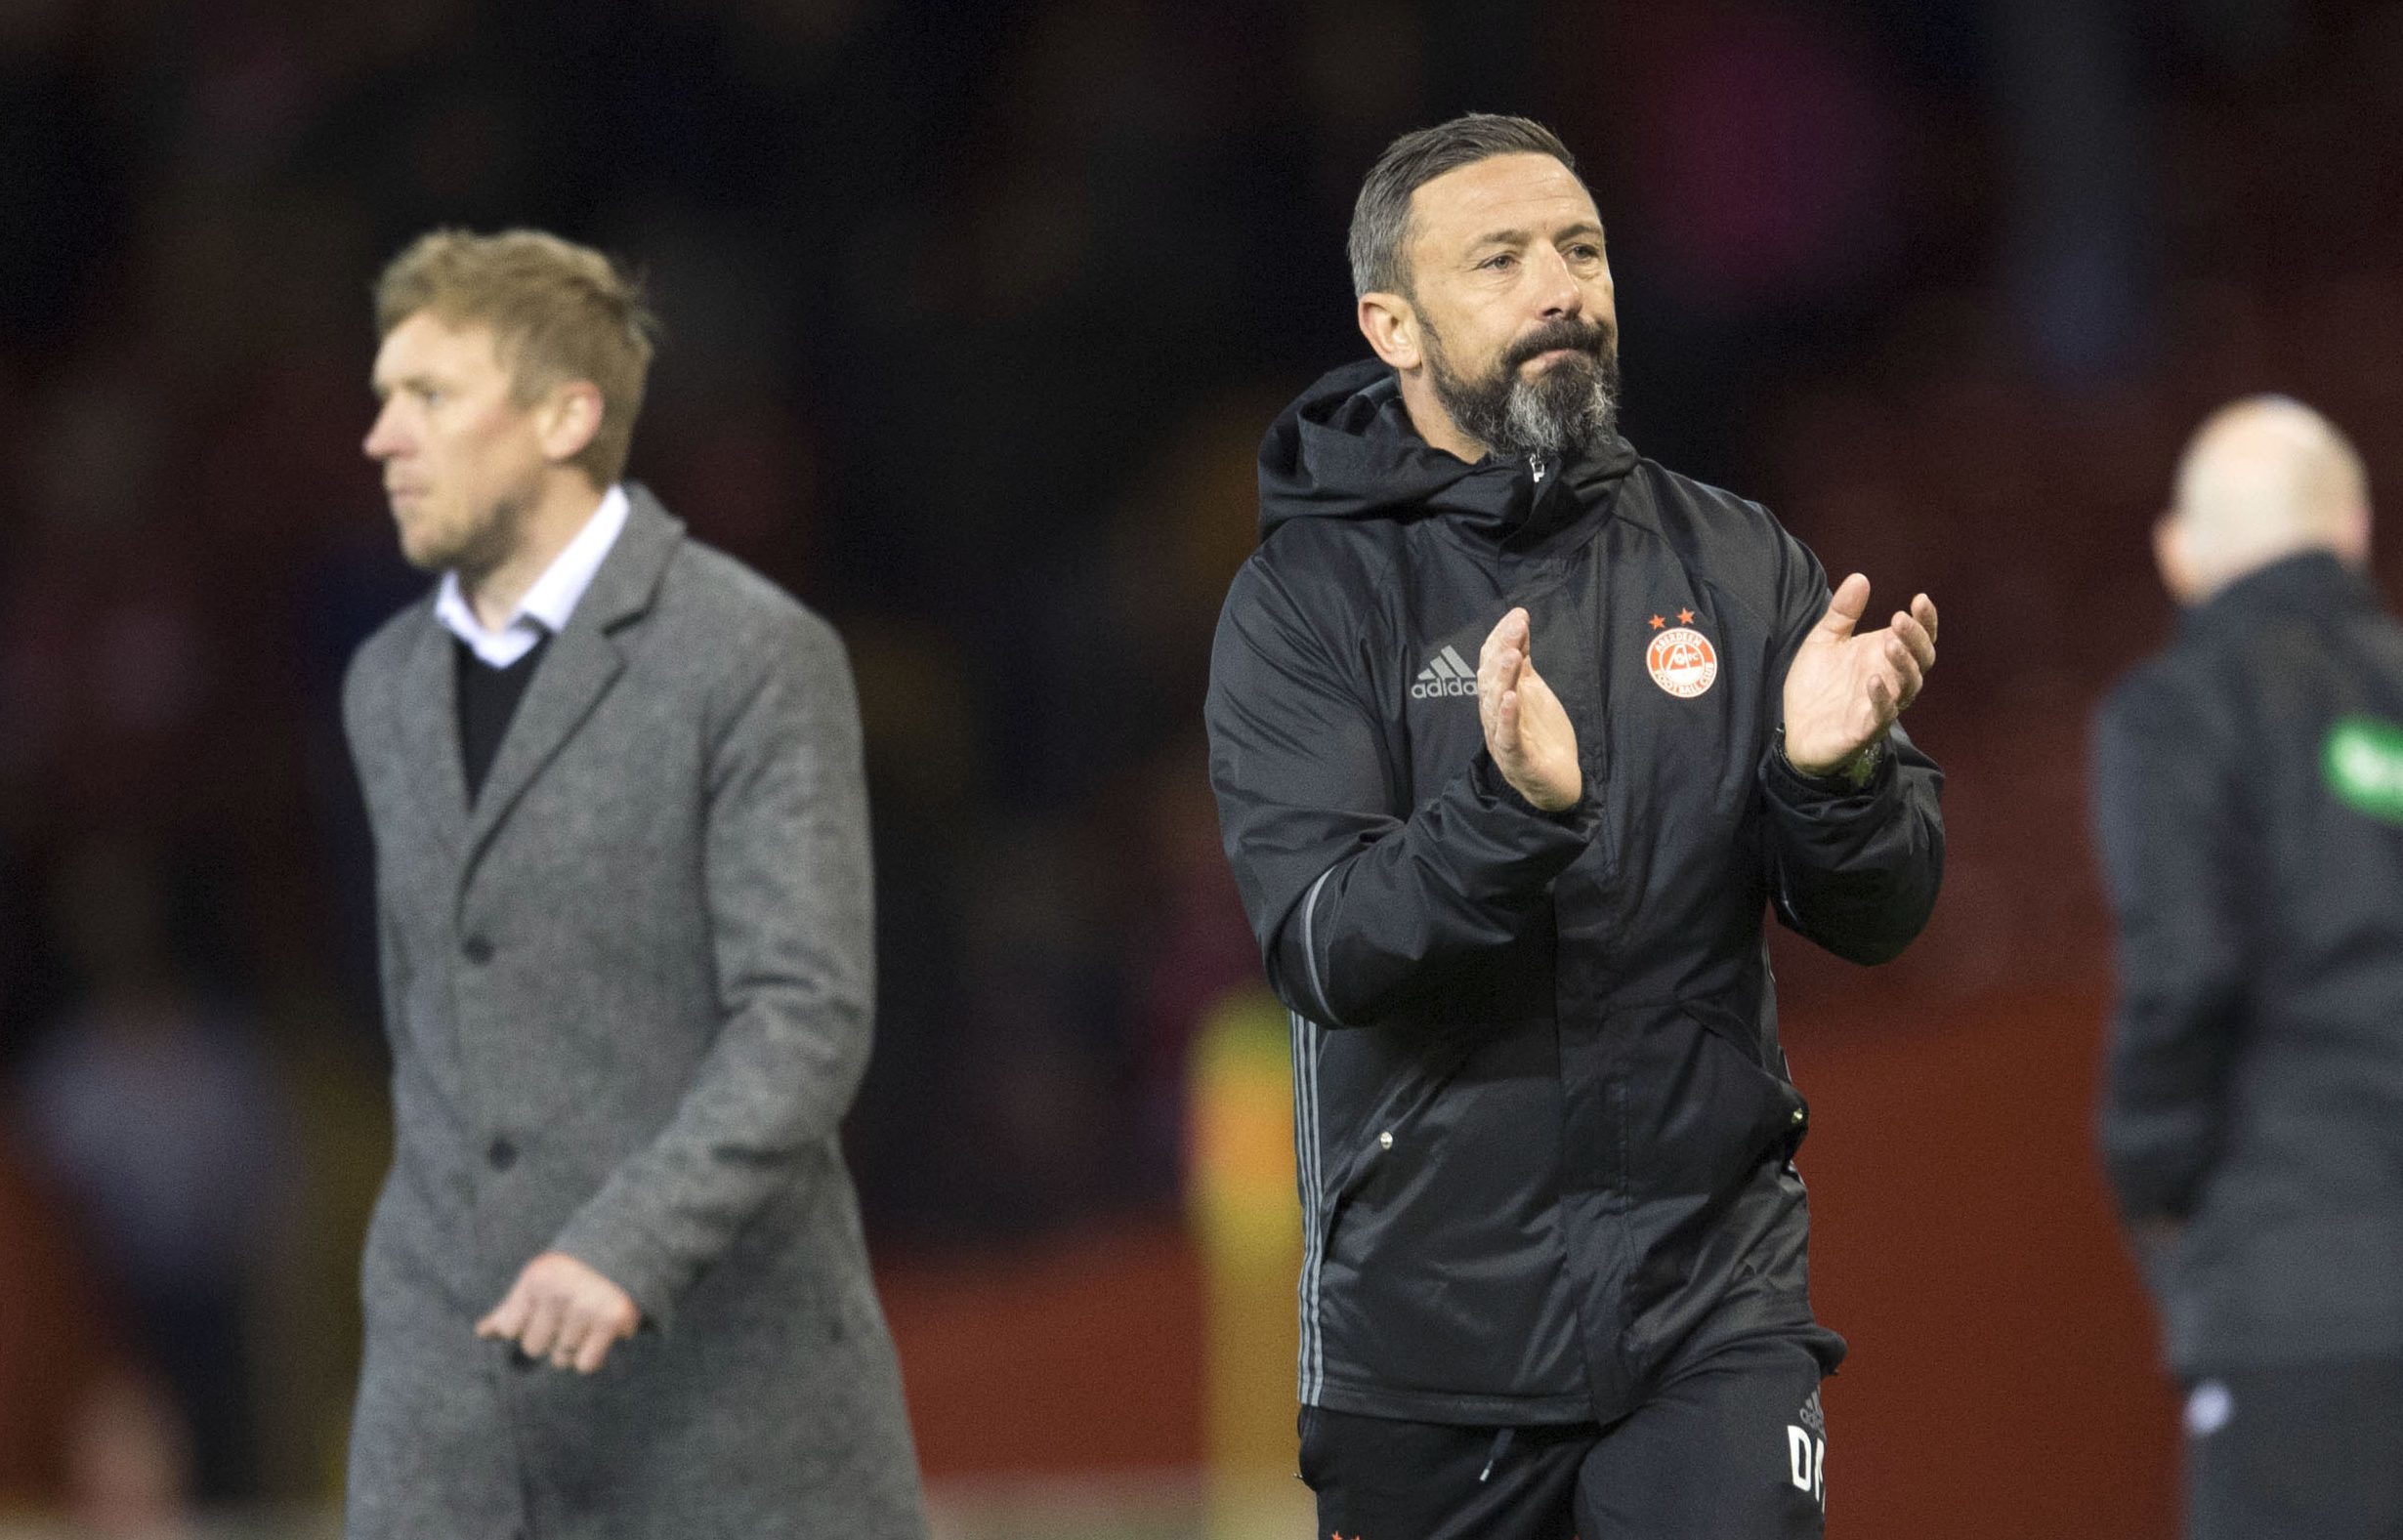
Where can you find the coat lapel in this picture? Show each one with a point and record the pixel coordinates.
(427, 717)
(577, 669)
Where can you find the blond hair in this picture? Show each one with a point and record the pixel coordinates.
(559, 313)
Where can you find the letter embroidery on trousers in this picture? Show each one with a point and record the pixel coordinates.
(1807, 1451)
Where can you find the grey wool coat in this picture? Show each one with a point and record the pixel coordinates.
(628, 996)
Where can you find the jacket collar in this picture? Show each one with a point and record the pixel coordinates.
(547, 605)
(583, 660)
(2316, 582)
(1519, 505)
(1346, 448)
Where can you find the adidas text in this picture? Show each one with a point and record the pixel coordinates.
(1445, 674)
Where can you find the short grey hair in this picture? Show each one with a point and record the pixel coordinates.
(1381, 219)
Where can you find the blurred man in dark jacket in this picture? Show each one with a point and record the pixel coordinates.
(1554, 1276)
(2248, 800)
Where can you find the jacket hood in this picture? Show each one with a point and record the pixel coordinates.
(1346, 449)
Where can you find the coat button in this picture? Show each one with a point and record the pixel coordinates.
(478, 949)
(1385, 1140)
(501, 1154)
(1798, 1115)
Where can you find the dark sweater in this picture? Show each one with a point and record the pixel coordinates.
(488, 698)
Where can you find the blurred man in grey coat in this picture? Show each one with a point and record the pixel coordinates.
(614, 1283)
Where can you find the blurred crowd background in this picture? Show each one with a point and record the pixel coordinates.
(976, 311)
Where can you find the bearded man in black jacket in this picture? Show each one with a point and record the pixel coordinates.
(1554, 1276)
(2249, 803)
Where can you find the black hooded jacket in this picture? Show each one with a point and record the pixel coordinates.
(1542, 1121)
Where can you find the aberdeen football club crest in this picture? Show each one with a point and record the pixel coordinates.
(1681, 659)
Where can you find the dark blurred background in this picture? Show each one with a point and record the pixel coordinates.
(976, 313)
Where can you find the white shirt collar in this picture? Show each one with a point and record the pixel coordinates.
(553, 598)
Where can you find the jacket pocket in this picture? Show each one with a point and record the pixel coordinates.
(1437, 1267)
(1703, 1115)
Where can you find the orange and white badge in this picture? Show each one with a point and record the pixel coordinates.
(1682, 661)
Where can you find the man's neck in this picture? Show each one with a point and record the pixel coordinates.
(567, 503)
(1434, 424)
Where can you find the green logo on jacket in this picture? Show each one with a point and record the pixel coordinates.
(2363, 763)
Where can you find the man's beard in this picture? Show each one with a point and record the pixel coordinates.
(1570, 407)
(475, 551)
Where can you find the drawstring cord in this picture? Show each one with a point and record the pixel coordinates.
(1502, 1447)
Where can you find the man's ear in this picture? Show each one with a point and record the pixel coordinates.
(568, 419)
(2174, 559)
(1390, 322)
(2353, 534)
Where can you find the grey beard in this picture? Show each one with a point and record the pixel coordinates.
(1571, 408)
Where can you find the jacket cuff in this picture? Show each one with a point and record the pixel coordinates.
(620, 1252)
(1493, 789)
(1821, 799)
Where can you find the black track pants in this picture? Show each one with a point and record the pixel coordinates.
(1734, 1448)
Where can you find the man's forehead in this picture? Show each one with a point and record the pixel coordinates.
(1528, 191)
(430, 340)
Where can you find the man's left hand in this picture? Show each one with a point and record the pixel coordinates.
(564, 1311)
(1844, 689)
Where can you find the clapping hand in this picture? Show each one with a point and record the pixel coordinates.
(1847, 686)
(1527, 729)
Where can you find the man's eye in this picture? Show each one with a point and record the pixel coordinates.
(1499, 262)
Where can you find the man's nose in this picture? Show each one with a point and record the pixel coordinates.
(383, 440)
(1557, 292)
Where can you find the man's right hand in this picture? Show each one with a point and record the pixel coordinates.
(1527, 730)
(563, 1309)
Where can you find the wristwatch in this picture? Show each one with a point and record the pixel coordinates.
(1849, 776)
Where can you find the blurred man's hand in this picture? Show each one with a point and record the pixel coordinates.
(564, 1311)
